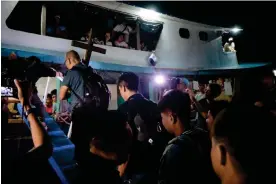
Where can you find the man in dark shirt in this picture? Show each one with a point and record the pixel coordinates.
(213, 91)
(186, 159)
(203, 106)
(104, 145)
(242, 151)
(74, 82)
(74, 78)
(143, 117)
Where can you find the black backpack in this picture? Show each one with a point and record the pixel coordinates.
(96, 93)
(145, 120)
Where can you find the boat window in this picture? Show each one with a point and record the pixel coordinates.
(25, 17)
(73, 20)
(184, 33)
(203, 36)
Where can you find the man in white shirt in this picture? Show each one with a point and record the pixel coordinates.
(182, 84)
(120, 41)
(123, 28)
(229, 46)
(201, 93)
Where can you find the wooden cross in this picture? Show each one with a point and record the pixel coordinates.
(88, 47)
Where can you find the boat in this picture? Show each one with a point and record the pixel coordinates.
(175, 47)
(182, 47)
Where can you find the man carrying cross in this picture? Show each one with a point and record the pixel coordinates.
(76, 80)
(86, 88)
(73, 80)
(73, 63)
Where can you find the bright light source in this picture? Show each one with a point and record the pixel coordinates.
(236, 30)
(159, 79)
(274, 71)
(148, 14)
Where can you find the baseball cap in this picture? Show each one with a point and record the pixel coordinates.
(184, 81)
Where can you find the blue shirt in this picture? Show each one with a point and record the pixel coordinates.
(75, 82)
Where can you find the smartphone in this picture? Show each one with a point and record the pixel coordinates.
(6, 91)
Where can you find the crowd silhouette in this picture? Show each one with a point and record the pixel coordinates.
(144, 142)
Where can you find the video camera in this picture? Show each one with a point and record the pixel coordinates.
(25, 70)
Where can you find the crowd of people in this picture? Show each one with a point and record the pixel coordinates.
(144, 142)
(117, 35)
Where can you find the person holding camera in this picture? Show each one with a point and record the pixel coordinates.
(30, 69)
(34, 73)
(34, 161)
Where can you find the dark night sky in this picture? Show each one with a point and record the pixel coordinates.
(257, 19)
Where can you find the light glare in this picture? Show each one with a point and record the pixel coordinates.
(236, 30)
(148, 14)
(159, 79)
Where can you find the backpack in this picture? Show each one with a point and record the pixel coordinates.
(145, 120)
(96, 93)
(142, 118)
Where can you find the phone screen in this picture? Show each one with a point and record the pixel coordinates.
(6, 91)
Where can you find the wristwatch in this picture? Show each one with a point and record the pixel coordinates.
(28, 112)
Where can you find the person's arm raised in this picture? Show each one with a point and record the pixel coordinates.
(197, 105)
(40, 137)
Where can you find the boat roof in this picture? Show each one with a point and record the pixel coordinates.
(134, 10)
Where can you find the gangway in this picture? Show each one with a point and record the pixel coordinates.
(62, 159)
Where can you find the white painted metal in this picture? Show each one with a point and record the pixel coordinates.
(172, 50)
(46, 90)
(43, 20)
(70, 130)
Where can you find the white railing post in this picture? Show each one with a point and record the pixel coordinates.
(46, 90)
(43, 20)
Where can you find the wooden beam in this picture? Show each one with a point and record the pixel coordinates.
(88, 51)
(98, 49)
(79, 44)
(87, 47)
